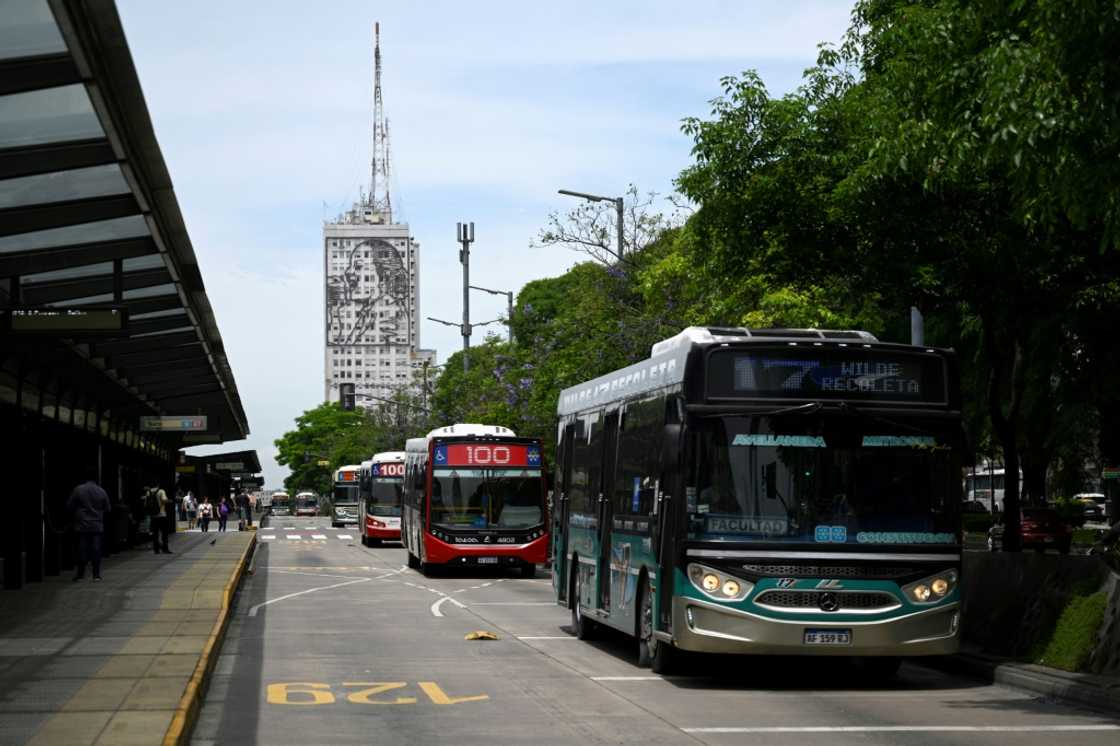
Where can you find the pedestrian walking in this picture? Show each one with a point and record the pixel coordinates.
(191, 507)
(245, 507)
(205, 512)
(87, 506)
(223, 512)
(158, 507)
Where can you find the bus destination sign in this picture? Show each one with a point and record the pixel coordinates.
(869, 375)
(487, 454)
(387, 470)
(58, 320)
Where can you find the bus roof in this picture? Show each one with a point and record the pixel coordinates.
(666, 364)
(388, 457)
(460, 429)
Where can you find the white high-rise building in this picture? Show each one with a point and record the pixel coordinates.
(371, 270)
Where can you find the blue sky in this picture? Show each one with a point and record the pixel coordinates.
(263, 113)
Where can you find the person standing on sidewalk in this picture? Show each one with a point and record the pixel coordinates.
(88, 505)
(244, 506)
(205, 511)
(223, 512)
(191, 507)
(155, 504)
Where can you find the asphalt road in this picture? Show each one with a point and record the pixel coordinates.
(335, 643)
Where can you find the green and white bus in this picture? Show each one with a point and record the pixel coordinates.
(776, 491)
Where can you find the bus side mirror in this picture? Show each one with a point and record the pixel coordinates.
(671, 447)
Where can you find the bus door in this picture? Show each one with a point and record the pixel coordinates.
(560, 567)
(606, 514)
(672, 509)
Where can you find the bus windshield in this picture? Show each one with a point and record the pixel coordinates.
(345, 493)
(822, 480)
(486, 498)
(385, 497)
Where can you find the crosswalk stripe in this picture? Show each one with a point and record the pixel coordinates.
(293, 536)
(267, 538)
(318, 536)
(345, 537)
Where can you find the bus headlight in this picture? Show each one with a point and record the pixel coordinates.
(932, 589)
(718, 585)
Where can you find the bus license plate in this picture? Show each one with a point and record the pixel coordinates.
(828, 637)
(487, 560)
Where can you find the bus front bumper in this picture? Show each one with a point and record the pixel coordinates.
(706, 627)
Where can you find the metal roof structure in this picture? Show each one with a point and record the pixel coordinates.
(88, 217)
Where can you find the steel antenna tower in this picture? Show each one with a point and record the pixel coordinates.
(379, 165)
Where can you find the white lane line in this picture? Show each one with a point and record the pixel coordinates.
(627, 678)
(253, 611)
(909, 729)
(267, 538)
(314, 574)
(318, 536)
(293, 536)
(435, 606)
(516, 603)
(344, 537)
(548, 637)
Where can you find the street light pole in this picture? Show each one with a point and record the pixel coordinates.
(465, 235)
(509, 305)
(620, 209)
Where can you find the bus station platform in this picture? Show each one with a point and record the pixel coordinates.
(121, 661)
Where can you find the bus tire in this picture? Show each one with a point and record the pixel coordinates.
(583, 627)
(529, 570)
(373, 542)
(413, 561)
(664, 658)
(647, 643)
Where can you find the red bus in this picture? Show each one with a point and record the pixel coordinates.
(475, 496)
(379, 497)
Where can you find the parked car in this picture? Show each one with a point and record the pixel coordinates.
(1040, 529)
(1094, 505)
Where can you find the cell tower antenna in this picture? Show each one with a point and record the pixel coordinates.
(379, 165)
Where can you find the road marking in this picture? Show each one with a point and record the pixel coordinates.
(908, 729)
(267, 538)
(315, 574)
(434, 608)
(345, 537)
(439, 697)
(297, 537)
(253, 611)
(547, 637)
(626, 678)
(516, 603)
(318, 536)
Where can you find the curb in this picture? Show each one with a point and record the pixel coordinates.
(1080, 689)
(190, 704)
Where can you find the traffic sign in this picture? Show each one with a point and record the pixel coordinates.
(324, 462)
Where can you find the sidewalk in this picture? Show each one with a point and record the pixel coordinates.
(1096, 692)
(120, 661)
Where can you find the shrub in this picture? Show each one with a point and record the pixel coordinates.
(1075, 634)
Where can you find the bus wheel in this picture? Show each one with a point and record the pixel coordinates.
(880, 667)
(646, 641)
(365, 542)
(372, 542)
(529, 570)
(583, 627)
(413, 561)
